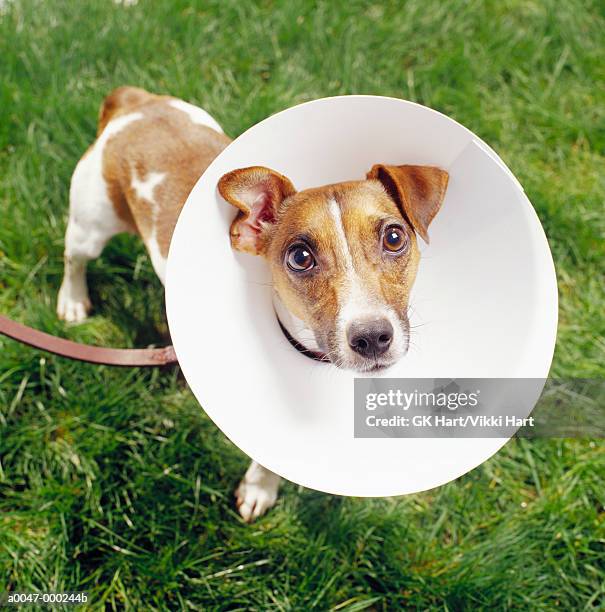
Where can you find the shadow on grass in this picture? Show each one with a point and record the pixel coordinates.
(125, 263)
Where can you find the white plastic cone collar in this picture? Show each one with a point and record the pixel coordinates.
(485, 299)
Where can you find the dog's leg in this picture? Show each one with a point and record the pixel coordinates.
(73, 303)
(92, 222)
(256, 492)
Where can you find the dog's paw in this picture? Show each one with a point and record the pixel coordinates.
(71, 310)
(256, 493)
(253, 500)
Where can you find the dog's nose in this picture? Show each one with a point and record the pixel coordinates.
(370, 338)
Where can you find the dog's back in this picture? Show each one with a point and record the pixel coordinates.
(151, 165)
(149, 152)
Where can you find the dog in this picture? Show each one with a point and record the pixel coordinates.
(343, 257)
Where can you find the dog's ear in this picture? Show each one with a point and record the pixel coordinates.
(257, 192)
(417, 190)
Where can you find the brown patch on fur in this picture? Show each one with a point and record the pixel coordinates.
(117, 197)
(120, 101)
(309, 296)
(418, 191)
(165, 140)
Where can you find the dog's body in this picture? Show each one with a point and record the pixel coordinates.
(343, 256)
(150, 151)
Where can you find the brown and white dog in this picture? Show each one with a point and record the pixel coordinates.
(343, 257)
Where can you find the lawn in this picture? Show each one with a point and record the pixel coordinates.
(115, 482)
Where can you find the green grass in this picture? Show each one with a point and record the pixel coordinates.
(115, 482)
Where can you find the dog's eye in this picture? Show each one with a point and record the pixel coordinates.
(394, 239)
(299, 258)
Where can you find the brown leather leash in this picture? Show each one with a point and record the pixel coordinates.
(151, 357)
(84, 352)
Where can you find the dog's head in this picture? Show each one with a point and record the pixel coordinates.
(343, 256)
